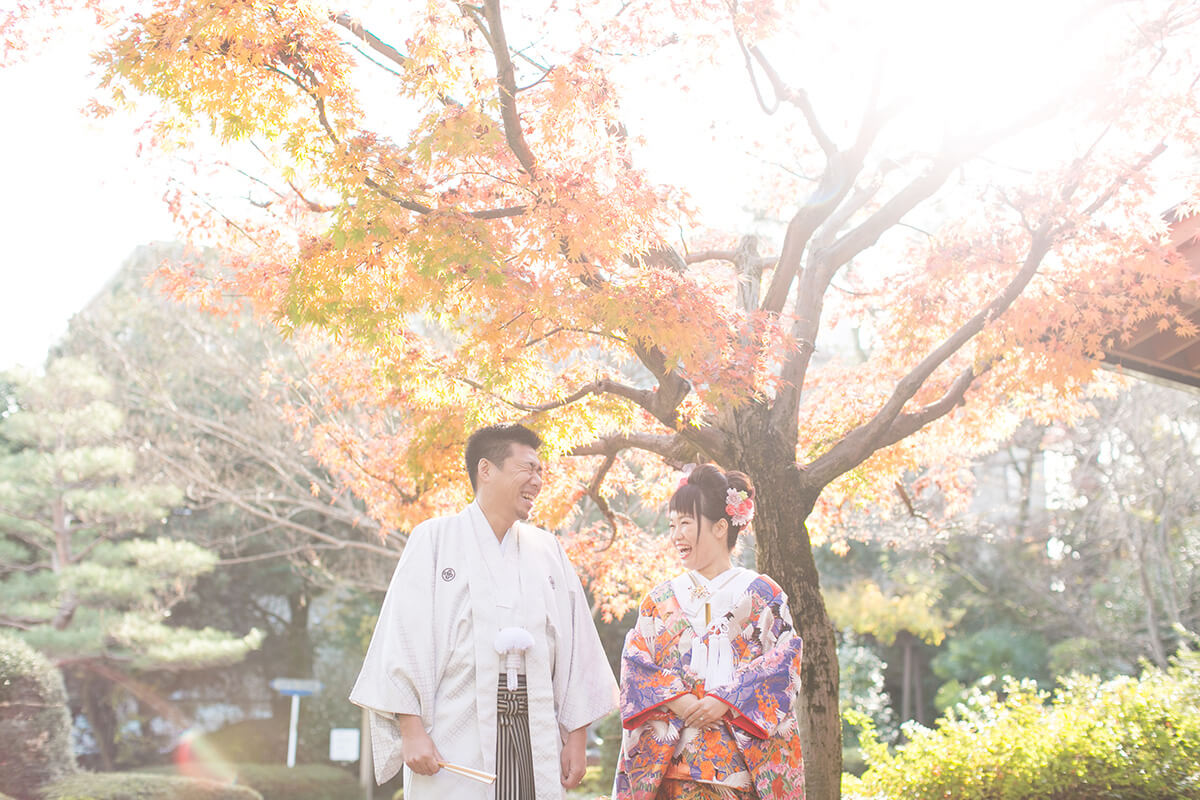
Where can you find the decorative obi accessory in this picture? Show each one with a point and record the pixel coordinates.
(511, 643)
(739, 506)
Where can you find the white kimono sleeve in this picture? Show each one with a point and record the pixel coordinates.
(398, 675)
(589, 690)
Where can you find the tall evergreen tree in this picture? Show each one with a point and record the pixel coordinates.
(85, 574)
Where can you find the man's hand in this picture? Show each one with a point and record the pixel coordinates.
(574, 758)
(707, 713)
(420, 753)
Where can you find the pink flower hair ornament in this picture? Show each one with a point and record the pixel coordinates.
(739, 506)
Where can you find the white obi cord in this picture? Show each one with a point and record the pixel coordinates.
(713, 661)
(511, 644)
(705, 603)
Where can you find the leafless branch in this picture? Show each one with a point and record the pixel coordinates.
(798, 98)
(758, 95)
(906, 498)
(304, 548)
(726, 255)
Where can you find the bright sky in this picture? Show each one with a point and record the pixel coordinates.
(76, 200)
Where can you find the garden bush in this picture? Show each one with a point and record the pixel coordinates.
(136, 786)
(35, 725)
(250, 741)
(1124, 739)
(279, 782)
(304, 782)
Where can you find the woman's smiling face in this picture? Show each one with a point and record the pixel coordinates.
(700, 543)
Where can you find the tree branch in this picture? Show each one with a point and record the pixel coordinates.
(506, 77)
(1116, 185)
(823, 264)
(758, 95)
(857, 445)
(355, 26)
(594, 492)
(672, 448)
(282, 553)
(268, 514)
(909, 423)
(841, 171)
(672, 387)
(798, 98)
(641, 397)
(699, 256)
(296, 62)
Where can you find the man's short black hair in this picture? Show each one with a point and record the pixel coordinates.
(494, 443)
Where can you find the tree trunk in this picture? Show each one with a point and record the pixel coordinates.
(98, 708)
(299, 642)
(919, 688)
(296, 650)
(785, 554)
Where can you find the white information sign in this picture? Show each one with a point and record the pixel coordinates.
(343, 744)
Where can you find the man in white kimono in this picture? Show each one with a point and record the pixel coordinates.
(466, 587)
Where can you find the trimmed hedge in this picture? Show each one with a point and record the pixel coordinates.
(35, 725)
(279, 782)
(304, 782)
(135, 786)
(1124, 739)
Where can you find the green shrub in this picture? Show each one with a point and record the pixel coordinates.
(279, 782)
(135, 786)
(251, 741)
(35, 725)
(304, 782)
(1125, 739)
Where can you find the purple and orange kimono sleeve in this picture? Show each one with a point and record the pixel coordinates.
(648, 681)
(765, 680)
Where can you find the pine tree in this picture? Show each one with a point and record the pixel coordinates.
(85, 575)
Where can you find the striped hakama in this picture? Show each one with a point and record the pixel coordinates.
(514, 750)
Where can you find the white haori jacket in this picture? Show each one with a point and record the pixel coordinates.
(433, 654)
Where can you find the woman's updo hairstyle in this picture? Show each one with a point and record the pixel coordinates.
(705, 495)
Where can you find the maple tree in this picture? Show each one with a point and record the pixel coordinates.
(466, 204)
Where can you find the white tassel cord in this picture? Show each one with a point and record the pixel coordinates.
(512, 643)
(713, 661)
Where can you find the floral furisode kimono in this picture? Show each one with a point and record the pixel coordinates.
(732, 638)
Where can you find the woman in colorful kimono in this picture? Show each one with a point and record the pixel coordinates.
(709, 671)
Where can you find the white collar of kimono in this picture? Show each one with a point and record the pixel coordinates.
(510, 536)
(501, 558)
(722, 590)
